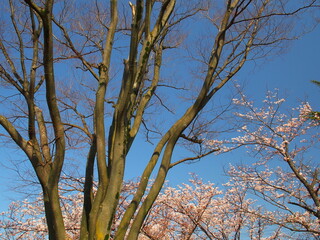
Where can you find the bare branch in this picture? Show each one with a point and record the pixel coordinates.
(194, 158)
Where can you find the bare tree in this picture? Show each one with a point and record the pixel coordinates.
(46, 34)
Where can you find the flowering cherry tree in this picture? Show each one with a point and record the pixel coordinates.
(197, 210)
(286, 176)
(200, 210)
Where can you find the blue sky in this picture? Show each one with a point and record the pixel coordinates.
(291, 73)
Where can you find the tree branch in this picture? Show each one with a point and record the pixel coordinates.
(193, 158)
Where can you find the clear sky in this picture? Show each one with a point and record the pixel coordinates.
(290, 72)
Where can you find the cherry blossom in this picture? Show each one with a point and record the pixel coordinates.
(195, 210)
(286, 175)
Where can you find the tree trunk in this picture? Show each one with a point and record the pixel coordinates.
(53, 213)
